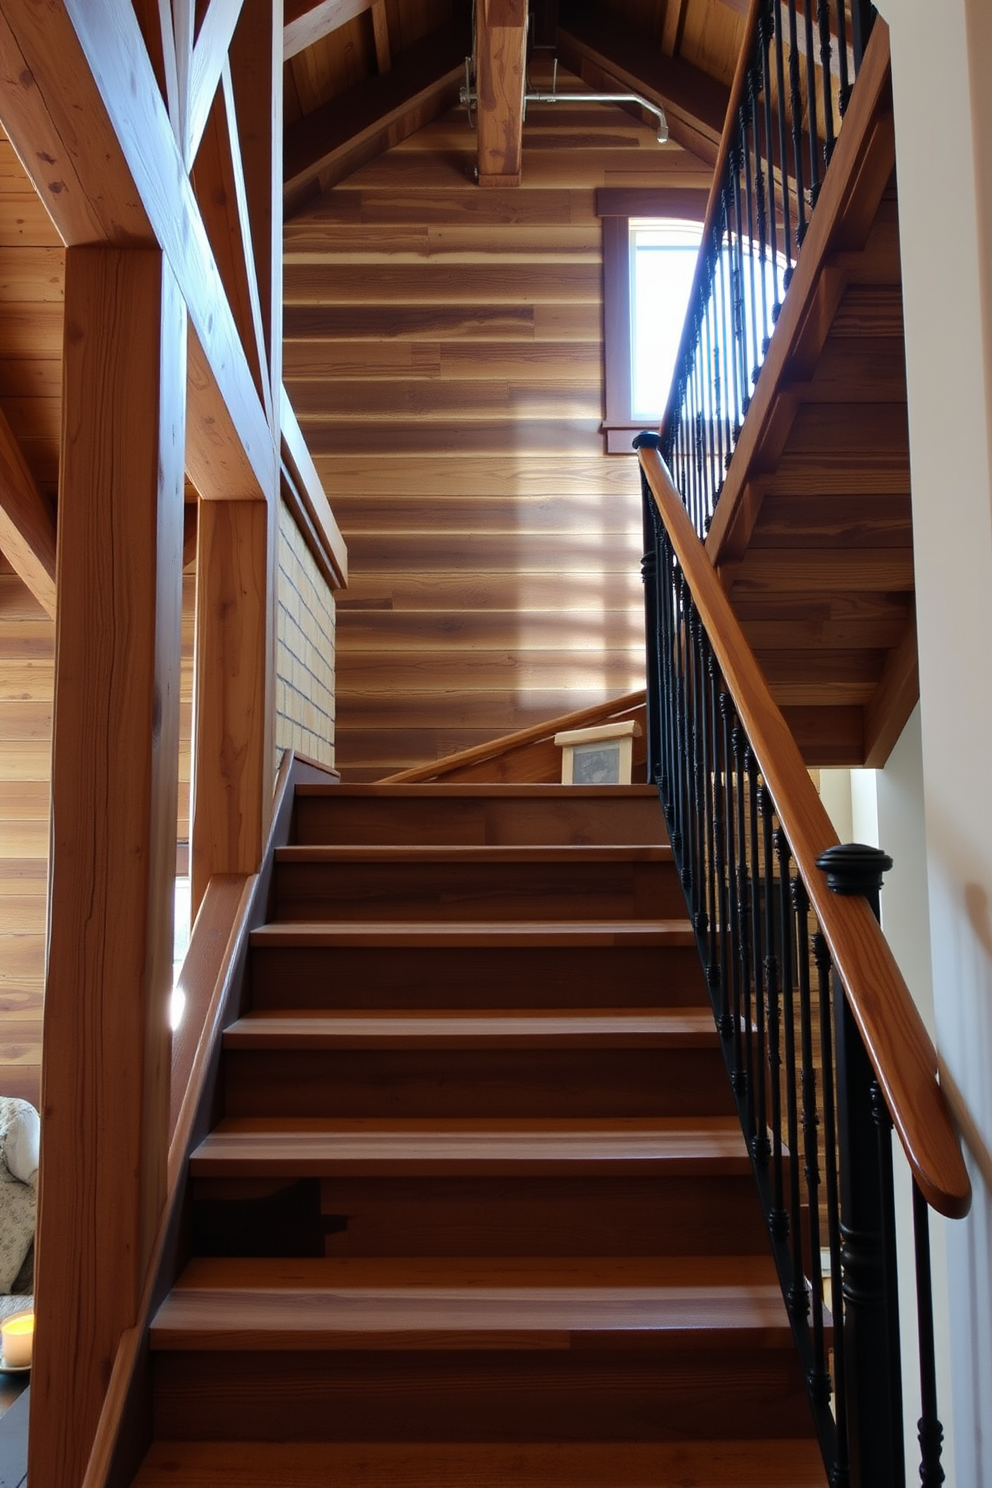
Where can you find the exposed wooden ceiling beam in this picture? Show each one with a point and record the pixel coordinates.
(671, 31)
(318, 21)
(27, 526)
(351, 129)
(594, 45)
(500, 68)
(122, 180)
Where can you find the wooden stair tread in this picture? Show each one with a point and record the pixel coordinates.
(529, 933)
(491, 854)
(498, 1147)
(442, 790)
(473, 1304)
(761, 1463)
(430, 1029)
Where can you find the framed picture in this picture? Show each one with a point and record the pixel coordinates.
(598, 756)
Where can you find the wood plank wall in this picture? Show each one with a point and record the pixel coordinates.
(27, 665)
(443, 350)
(32, 271)
(27, 655)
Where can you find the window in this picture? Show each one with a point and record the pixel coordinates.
(663, 259)
(650, 245)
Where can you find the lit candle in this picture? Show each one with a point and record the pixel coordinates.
(18, 1336)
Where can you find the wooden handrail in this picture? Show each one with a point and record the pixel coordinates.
(535, 734)
(898, 1045)
(716, 189)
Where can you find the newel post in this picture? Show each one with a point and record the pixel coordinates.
(649, 576)
(868, 1256)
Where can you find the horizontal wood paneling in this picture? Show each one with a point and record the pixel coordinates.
(27, 657)
(443, 351)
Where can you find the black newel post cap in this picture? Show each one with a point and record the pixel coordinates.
(647, 439)
(853, 868)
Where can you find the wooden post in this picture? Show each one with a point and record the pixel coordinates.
(105, 1089)
(234, 713)
(501, 59)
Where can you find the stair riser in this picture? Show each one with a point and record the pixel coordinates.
(460, 891)
(309, 977)
(477, 1082)
(465, 821)
(542, 1395)
(699, 1215)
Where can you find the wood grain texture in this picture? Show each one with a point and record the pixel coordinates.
(254, 1147)
(235, 579)
(444, 345)
(500, 59)
(80, 60)
(113, 851)
(727, 1464)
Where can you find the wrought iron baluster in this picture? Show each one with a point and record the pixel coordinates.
(743, 760)
(711, 797)
(826, 58)
(819, 1377)
(821, 954)
(778, 1219)
(749, 141)
(736, 248)
(797, 1299)
(796, 105)
(844, 91)
(760, 1147)
(783, 152)
(872, 1375)
(811, 109)
(931, 1432)
(732, 1028)
(766, 34)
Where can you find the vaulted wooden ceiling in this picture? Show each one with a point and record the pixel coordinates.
(361, 75)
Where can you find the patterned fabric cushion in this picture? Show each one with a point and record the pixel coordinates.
(20, 1132)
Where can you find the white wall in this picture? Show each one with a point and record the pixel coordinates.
(944, 152)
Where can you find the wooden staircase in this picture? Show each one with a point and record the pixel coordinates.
(476, 1209)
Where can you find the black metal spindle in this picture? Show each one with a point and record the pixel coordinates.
(742, 375)
(811, 109)
(796, 106)
(819, 1377)
(778, 1221)
(931, 1432)
(868, 1280)
(762, 153)
(713, 681)
(796, 1299)
(727, 720)
(826, 64)
(733, 1031)
(749, 151)
(694, 677)
(843, 71)
(862, 20)
(783, 152)
(767, 35)
(760, 1147)
(742, 758)
(824, 967)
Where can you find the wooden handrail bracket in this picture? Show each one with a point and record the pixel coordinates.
(898, 1045)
